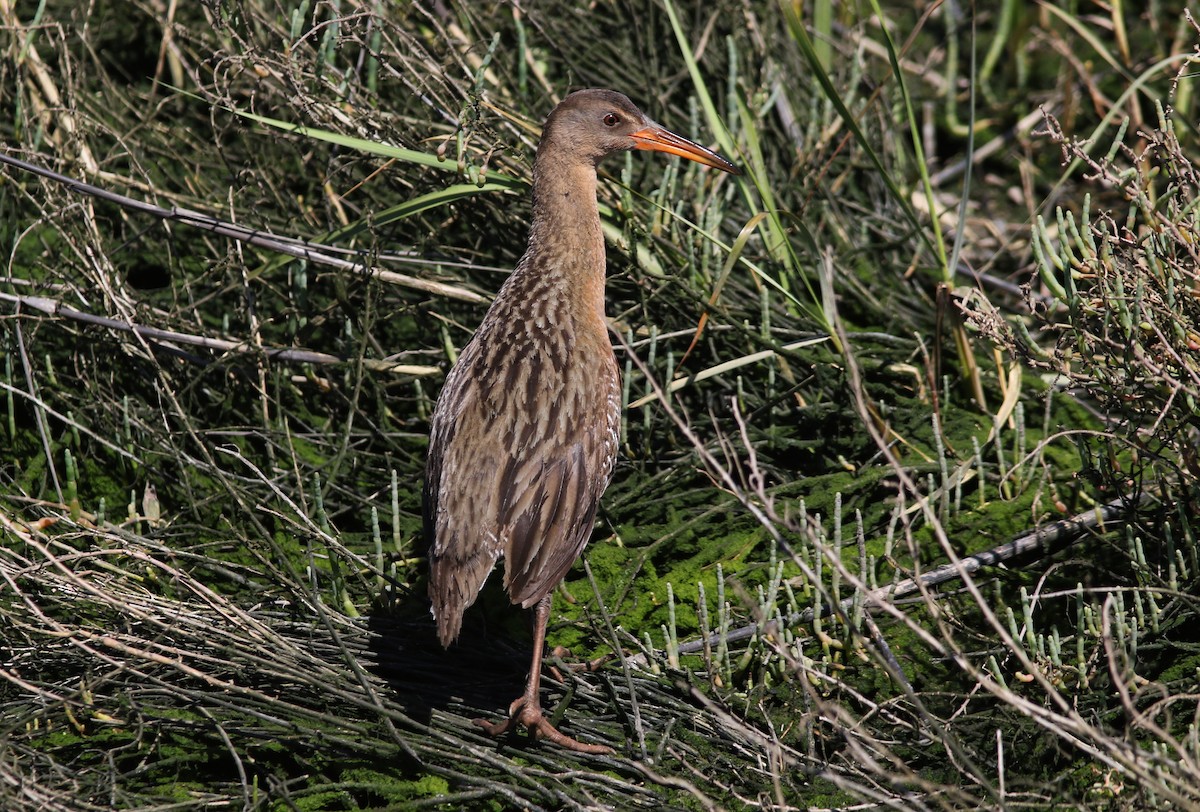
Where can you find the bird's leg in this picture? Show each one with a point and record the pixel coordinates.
(527, 710)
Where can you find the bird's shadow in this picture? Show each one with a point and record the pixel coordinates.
(479, 675)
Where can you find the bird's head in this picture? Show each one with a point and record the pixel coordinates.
(594, 123)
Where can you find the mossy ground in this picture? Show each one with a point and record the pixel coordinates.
(214, 585)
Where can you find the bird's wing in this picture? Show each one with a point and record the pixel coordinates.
(561, 444)
(549, 509)
(516, 468)
(460, 502)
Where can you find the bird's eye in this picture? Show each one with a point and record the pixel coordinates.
(610, 120)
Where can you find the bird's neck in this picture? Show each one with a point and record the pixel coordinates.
(566, 244)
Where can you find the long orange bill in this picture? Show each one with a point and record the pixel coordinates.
(660, 140)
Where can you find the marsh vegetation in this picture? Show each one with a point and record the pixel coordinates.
(904, 511)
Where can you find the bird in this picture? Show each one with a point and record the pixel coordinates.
(524, 435)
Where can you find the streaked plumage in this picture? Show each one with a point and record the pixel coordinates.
(524, 434)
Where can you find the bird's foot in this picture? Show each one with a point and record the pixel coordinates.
(530, 716)
(575, 668)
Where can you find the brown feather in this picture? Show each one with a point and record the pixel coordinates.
(526, 424)
(524, 433)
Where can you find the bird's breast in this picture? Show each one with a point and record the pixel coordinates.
(540, 371)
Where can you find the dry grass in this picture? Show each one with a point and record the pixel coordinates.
(840, 409)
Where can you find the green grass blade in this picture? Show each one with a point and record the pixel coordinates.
(910, 114)
(800, 36)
